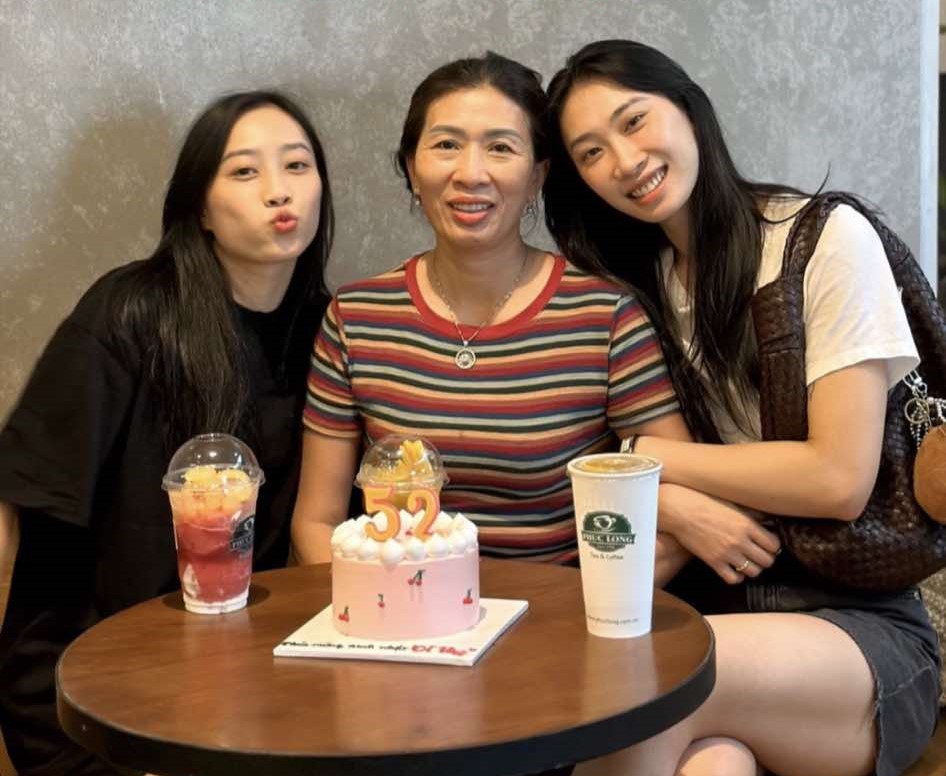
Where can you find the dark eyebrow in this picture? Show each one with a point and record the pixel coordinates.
(255, 152)
(489, 134)
(296, 147)
(615, 114)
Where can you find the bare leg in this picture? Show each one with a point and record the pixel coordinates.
(718, 756)
(792, 688)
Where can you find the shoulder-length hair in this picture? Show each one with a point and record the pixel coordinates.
(178, 304)
(725, 230)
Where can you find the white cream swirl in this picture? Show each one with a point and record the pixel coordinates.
(437, 547)
(448, 536)
(443, 524)
(458, 542)
(369, 549)
(414, 548)
(351, 545)
(392, 552)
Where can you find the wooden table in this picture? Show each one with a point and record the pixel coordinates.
(160, 689)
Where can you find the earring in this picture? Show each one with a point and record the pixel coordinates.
(531, 210)
(416, 198)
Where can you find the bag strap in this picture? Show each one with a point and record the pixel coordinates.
(809, 223)
(778, 320)
(777, 314)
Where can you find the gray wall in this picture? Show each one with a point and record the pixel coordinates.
(95, 96)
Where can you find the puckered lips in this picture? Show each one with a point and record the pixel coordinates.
(285, 221)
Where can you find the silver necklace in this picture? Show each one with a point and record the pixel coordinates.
(465, 356)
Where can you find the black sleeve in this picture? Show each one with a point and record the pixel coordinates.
(52, 453)
(49, 606)
(72, 410)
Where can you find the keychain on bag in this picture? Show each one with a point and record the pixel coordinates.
(927, 418)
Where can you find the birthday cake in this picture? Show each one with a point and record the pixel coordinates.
(404, 570)
(419, 583)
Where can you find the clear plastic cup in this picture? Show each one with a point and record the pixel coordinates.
(212, 482)
(403, 462)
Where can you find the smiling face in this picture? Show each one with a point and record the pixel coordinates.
(263, 204)
(635, 150)
(474, 169)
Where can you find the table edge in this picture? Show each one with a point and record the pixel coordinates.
(127, 748)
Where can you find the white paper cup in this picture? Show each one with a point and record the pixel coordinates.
(615, 498)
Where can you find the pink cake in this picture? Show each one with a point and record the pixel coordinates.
(405, 588)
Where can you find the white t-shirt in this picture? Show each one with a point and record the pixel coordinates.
(852, 305)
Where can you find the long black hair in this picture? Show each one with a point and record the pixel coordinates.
(519, 83)
(178, 305)
(726, 220)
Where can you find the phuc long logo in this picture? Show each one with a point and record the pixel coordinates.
(607, 531)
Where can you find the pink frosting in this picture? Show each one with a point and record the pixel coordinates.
(409, 600)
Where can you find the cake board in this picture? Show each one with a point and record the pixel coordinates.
(318, 638)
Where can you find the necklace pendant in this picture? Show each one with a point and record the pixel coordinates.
(465, 358)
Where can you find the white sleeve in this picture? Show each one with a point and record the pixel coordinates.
(853, 311)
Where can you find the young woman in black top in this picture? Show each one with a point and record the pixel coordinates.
(211, 333)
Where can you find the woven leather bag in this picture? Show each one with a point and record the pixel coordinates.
(893, 544)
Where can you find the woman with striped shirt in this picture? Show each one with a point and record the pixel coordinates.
(507, 358)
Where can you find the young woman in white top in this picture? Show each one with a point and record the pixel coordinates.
(810, 681)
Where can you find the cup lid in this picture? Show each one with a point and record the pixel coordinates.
(610, 465)
(402, 458)
(216, 458)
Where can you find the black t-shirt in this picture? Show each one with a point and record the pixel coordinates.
(81, 457)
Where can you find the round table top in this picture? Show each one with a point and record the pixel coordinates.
(157, 688)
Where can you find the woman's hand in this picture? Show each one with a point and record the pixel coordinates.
(728, 539)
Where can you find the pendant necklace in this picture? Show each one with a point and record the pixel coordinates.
(465, 356)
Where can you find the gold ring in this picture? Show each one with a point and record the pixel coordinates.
(742, 566)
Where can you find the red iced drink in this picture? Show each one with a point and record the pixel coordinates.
(213, 508)
(214, 536)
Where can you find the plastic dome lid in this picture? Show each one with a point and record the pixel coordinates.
(402, 458)
(211, 453)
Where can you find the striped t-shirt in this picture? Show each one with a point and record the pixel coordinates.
(551, 383)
